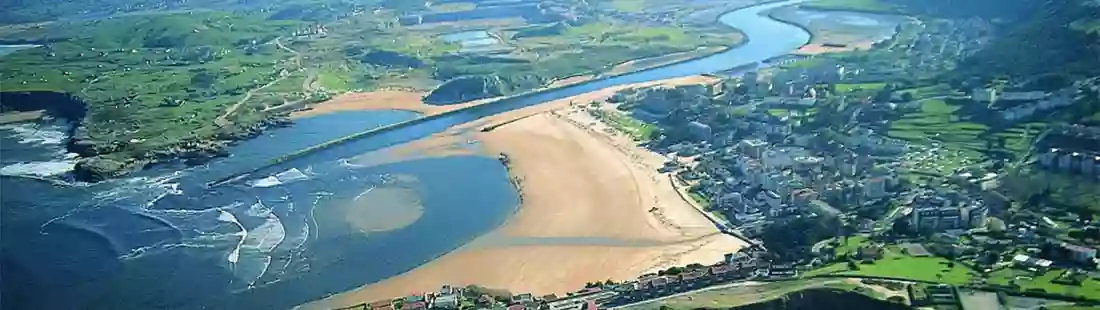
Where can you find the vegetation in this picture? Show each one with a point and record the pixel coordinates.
(637, 129)
(778, 295)
(858, 5)
(1044, 282)
(562, 50)
(934, 8)
(1050, 41)
(154, 82)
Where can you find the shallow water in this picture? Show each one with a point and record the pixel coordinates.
(162, 239)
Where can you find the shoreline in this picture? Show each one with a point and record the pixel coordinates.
(553, 155)
(812, 48)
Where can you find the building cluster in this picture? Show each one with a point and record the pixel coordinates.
(758, 180)
(942, 210)
(1015, 106)
(743, 265)
(311, 30)
(1084, 163)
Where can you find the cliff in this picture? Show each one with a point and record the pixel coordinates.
(824, 299)
(476, 87)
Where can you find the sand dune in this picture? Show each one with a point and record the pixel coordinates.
(577, 182)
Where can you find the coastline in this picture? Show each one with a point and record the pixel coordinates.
(573, 178)
(820, 37)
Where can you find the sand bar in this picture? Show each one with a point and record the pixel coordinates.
(577, 182)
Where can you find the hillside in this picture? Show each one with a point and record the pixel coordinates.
(1001, 9)
(1035, 37)
(153, 85)
(823, 299)
(1058, 39)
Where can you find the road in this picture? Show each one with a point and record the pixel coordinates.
(763, 296)
(710, 288)
(223, 120)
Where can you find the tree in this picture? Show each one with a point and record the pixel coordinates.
(852, 265)
(907, 96)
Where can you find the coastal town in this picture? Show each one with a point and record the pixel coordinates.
(553, 155)
(862, 165)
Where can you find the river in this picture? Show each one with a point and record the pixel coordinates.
(273, 239)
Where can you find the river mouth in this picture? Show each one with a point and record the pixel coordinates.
(288, 251)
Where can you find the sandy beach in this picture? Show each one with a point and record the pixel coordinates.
(594, 208)
(389, 99)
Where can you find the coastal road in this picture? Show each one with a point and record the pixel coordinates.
(796, 284)
(705, 289)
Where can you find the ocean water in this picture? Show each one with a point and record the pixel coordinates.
(163, 240)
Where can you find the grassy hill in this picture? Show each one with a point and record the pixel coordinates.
(1058, 39)
(154, 84)
(1007, 9)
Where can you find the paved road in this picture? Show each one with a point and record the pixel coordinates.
(710, 288)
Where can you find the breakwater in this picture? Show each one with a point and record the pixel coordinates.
(782, 39)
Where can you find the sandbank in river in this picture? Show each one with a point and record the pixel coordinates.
(594, 208)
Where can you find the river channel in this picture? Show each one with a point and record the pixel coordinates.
(274, 238)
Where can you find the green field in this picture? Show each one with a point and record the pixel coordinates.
(861, 88)
(735, 296)
(153, 82)
(858, 5)
(1027, 281)
(898, 265)
(936, 123)
(638, 130)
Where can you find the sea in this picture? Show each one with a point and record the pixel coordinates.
(163, 239)
(271, 239)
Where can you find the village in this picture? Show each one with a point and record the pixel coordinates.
(819, 183)
(863, 165)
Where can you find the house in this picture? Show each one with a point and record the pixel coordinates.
(782, 270)
(414, 306)
(692, 279)
(591, 305)
(1024, 261)
(719, 273)
(413, 298)
(700, 131)
(1080, 254)
(523, 298)
(448, 301)
(381, 304)
(875, 187)
(869, 253)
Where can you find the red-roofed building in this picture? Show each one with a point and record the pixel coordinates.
(591, 305)
(720, 273)
(590, 290)
(380, 304)
(693, 279)
(414, 306)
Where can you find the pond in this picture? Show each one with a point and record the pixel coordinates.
(475, 41)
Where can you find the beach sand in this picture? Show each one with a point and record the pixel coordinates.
(578, 184)
(389, 99)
